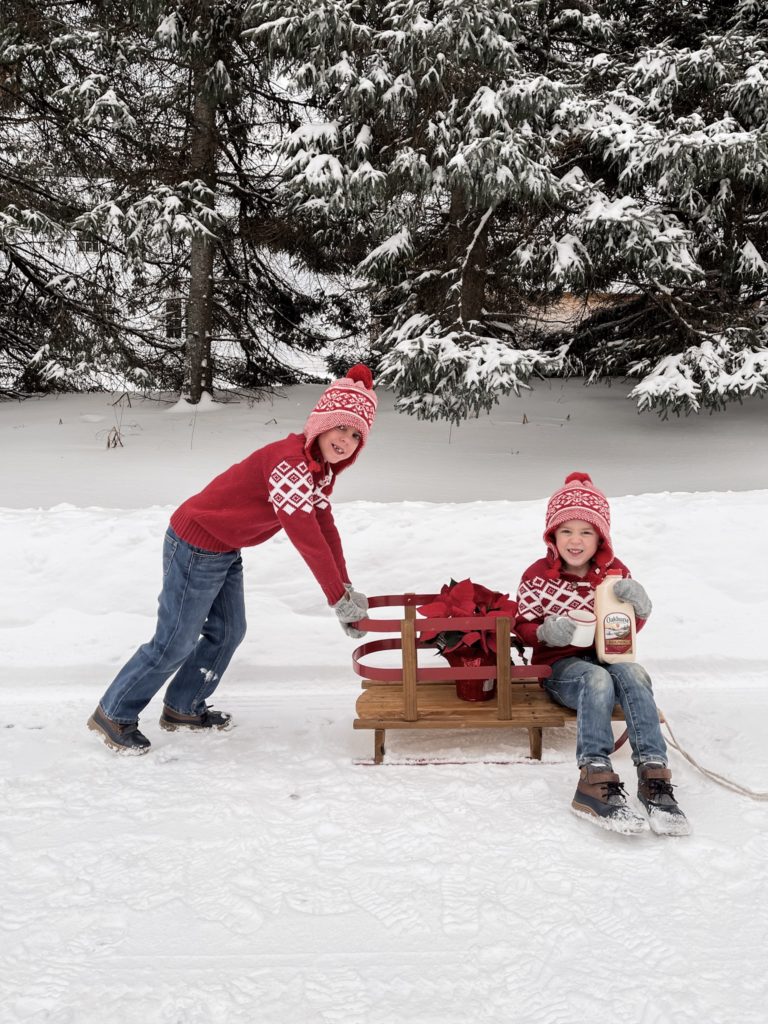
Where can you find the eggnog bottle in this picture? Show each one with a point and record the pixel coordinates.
(615, 635)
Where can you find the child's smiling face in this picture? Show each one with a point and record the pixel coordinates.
(338, 444)
(576, 542)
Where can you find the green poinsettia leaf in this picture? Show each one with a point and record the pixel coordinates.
(448, 640)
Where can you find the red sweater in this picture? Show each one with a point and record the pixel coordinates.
(544, 592)
(271, 489)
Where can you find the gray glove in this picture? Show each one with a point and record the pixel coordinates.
(631, 592)
(362, 601)
(356, 596)
(556, 631)
(350, 608)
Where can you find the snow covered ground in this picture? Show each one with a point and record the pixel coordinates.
(263, 875)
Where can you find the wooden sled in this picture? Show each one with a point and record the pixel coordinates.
(412, 697)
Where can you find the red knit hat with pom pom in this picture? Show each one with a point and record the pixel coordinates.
(349, 402)
(578, 498)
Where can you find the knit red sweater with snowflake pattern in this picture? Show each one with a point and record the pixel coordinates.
(543, 592)
(271, 489)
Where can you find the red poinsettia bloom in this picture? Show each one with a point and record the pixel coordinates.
(461, 600)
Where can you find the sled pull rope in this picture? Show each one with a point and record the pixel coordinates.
(721, 780)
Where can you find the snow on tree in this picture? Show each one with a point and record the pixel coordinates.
(430, 147)
(145, 131)
(471, 162)
(484, 159)
(676, 122)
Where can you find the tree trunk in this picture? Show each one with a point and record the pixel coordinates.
(199, 368)
(468, 244)
(474, 274)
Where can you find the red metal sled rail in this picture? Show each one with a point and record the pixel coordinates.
(416, 626)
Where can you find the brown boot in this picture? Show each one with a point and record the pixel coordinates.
(656, 793)
(120, 736)
(600, 798)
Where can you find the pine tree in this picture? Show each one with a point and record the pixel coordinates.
(144, 130)
(472, 162)
(677, 122)
(483, 159)
(430, 150)
(57, 315)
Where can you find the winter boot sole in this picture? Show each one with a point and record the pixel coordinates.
(627, 823)
(107, 740)
(191, 727)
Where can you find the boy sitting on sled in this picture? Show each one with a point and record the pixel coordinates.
(579, 552)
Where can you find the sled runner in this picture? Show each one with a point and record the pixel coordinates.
(409, 696)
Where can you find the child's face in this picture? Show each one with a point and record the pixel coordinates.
(576, 542)
(338, 444)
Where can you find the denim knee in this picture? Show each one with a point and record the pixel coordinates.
(629, 673)
(226, 634)
(237, 626)
(242, 629)
(172, 654)
(234, 637)
(599, 682)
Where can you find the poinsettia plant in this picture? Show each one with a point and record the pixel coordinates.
(461, 600)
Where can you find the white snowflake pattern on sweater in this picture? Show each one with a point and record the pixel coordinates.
(292, 488)
(538, 597)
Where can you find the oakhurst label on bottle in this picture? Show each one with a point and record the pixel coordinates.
(615, 634)
(617, 628)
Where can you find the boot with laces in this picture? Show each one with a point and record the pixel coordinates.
(600, 798)
(171, 720)
(125, 738)
(656, 794)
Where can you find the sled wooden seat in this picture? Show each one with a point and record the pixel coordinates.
(411, 697)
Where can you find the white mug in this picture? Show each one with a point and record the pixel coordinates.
(584, 634)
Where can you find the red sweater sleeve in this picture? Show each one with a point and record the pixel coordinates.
(298, 506)
(331, 534)
(531, 614)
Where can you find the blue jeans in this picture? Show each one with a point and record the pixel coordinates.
(592, 690)
(200, 623)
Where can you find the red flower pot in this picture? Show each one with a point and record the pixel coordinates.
(473, 689)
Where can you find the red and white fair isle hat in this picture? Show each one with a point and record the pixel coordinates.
(349, 402)
(578, 498)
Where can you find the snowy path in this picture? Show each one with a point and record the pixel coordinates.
(262, 876)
